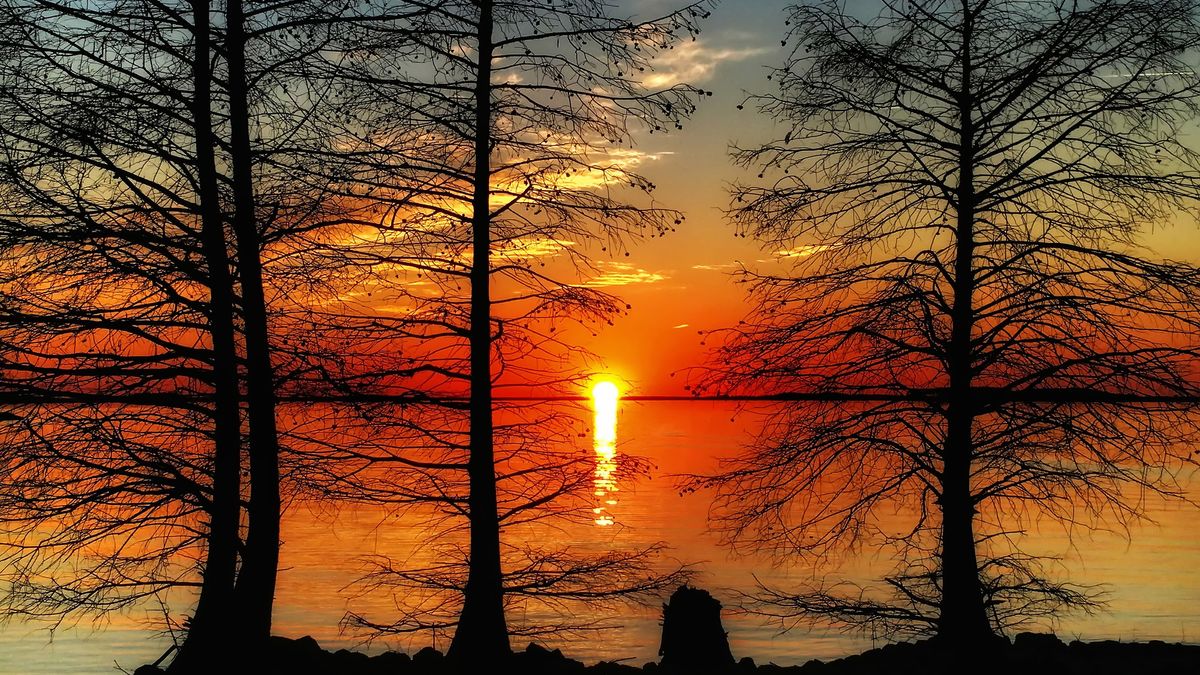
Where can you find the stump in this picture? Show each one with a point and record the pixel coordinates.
(693, 639)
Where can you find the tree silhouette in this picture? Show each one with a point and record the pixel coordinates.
(506, 124)
(145, 338)
(270, 155)
(113, 276)
(967, 325)
(260, 563)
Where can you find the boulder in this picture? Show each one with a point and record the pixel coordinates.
(693, 637)
(1038, 642)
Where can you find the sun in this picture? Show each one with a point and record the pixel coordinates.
(605, 395)
(604, 404)
(605, 392)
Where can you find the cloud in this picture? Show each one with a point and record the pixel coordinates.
(523, 248)
(694, 62)
(801, 251)
(621, 274)
(718, 267)
(608, 166)
(629, 158)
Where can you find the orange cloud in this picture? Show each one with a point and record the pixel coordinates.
(801, 251)
(621, 274)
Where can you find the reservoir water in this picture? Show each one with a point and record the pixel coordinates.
(1154, 593)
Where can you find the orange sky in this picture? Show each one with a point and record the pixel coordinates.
(681, 283)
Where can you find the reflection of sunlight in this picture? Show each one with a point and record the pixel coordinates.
(604, 441)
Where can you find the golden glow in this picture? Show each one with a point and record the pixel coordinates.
(604, 402)
(605, 395)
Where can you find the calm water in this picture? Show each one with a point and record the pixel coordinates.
(1152, 578)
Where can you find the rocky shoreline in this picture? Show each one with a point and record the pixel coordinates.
(1027, 654)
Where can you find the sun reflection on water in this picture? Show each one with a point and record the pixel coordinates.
(604, 442)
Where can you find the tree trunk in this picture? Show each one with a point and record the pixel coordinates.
(482, 634)
(256, 582)
(210, 630)
(963, 618)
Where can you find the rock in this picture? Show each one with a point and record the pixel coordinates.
(613, 668)
(302, 656)
(428, 659)
(149, 670)
(306, 644)
(693, 638)
(1038, 642)
(537, 660)
(390, 661)
(350, 662)
(534, 650)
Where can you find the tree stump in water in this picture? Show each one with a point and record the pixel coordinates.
(693, 639)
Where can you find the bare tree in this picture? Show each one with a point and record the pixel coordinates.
(187, 219)
(134, 214)
(142, 248)
(210, 627)
(502, 125)
(260, 564)
(969, 328)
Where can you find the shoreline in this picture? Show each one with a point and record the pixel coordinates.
(1026, 654)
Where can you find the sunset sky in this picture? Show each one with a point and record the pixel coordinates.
(680, 284)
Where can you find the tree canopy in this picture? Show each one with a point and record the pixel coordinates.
(972, 328)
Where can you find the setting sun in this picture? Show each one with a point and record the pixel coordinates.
(604, 397)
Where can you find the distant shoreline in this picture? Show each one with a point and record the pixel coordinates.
(1026, 654)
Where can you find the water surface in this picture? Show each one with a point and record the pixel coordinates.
(1154, 594)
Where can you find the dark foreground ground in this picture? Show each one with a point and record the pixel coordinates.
(1029, 654)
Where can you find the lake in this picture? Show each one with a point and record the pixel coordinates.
(1154, 593)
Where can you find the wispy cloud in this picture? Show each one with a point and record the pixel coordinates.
(801, 251)
(523, 248)
(694, 62)
(608, 167)
(718, 267)
(622, 274)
